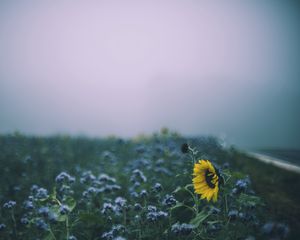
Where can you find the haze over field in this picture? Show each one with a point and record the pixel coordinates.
(126, 67)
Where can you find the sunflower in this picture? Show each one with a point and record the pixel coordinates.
(206, 180)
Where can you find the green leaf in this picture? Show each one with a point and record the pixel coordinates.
(183, 214)
(43, 200)
(70, 202)
(53, 194)
(200, 217)
(49, 237)
(56, 209)
(188, 185)
(249, 200)
(178, 189)
(178, 204)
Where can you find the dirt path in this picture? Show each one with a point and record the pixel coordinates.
(276, 162)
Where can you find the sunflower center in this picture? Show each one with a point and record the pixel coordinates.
(209, 179)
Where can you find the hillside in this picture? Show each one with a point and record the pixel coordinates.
(141, 188)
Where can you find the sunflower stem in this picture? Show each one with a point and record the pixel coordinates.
(194, 195)
(195, 198)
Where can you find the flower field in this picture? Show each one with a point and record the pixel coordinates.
(149, 187)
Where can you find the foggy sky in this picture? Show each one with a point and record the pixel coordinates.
(227, 68)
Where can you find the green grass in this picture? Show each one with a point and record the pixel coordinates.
(279, 189)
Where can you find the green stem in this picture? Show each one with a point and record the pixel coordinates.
(140, 229)
(59, 203)
(193, 160)
(193, 209)
(67, 227)
(67, 221)
(52, 234)
(14, 222)
(226, 204)
(192, 155)
(124, 216)
(74, 223)
(195, 198)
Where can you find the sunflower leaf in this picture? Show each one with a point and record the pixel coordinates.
(178, 204)
(188, 185)
(200, 217)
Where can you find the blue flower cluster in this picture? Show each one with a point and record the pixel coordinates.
(153, 215)
(64, 177)
(274, 230)
(9, 204)
(182, 229)
(114, 233)
(130, 193)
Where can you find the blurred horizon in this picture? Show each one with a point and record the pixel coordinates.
(97, 68)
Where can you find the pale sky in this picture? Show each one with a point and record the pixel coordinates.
(227, 68)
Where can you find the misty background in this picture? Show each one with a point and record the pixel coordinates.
(95, 68)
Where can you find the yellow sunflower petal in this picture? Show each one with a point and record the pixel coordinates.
(205, 180)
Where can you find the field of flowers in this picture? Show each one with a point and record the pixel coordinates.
(144, 188)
